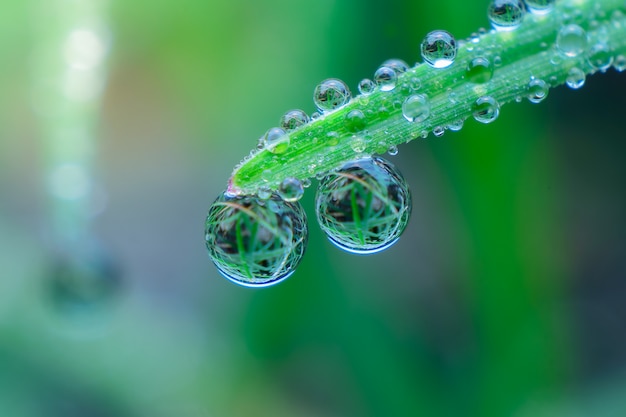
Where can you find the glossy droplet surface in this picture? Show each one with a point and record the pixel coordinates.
(537, 90)
(600, 57)
(479, 70)
(365, 206)
(575, 78)
(438, 49)
(291, 189)
(416, 108)
(398, 65)
(506, 14)
(386, 78)
(355, 120)
(572, 40)
(293, 119)
(276, 140)
(255, 243)
(331, 94)
(485, 109)
(619, 63)
(366, 86)
(540, 6)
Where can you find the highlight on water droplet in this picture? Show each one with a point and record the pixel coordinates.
(398, 65)
(291, 189)
(575, 78)
(386, 78)
(540, 6)
(506, 15)
(366, 86)
(537, 90)
(438, 49)
(479, 70)
(363, 207)
(255, 243)
(392, 150)
(276, 140)
(439, 131)
(486, 109)
(571, 40)
(416, 108)
(293, 119)
(358, 144)
(456, 125)
(355, 121)
(331, 94)
(619, 63)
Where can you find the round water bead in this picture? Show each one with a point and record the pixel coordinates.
(416, 108)
(363, 207)
(600, 57)
(572, 40)
(486, 109)
(255, 243)
(575, 78)
(366, 86)
(355, 121)
(619, 63)
(537, 90)
(540, 6)
(276, 140)
(398, 65)
(291, 189)
(439, 49)
(293, 119)
(479, 70)
(506, 14)
(386, 78)
(331, 94)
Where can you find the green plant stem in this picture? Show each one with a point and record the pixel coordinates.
(525, 53)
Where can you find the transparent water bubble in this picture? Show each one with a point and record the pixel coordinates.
(291, 189)
(398, 65)
(619, 63)
(392, 150)
(485, 109)
(575, 78)
(332, 138)
(264, 193)
(358, 144)
(416, 108)
(355, 121)
(363, 207)
(439, 131)
(479, 70)
(439, 49)
(456, 125)
(293, 119)
(386, 78)
(366, 86)
(540, 6)
(506, 15)
(331, 94)
(537, 90)
(255, 243)
(572, 40)
(600, 57)
(276, 140)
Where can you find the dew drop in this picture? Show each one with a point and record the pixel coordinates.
(255, 243)
(306, 183)
(355, 121)
(479, 70)
(393, 150)
(571, 40)
(293, 119)
(438, 131)
(439, 49)
(331, 94)
(600, 57)
(456, 125)
(291, 189)
(540, 6)
(620, 63)
(358, 144)
(363, 207)
(416, 108)
(575, 78)
(264, 193)
(486, 109)
(366, 86)
(276, 140)
(506, 14)
(386, 78)
(398, 65)
(537, 90)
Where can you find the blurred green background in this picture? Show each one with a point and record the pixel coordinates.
(504, 297)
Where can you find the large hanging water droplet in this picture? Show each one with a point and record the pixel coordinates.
(365, 206)
(575, 78)
(331, 94)
(479, 70)
(416, 108)
(255, 243)
(540, 6)
(386, 78)
(506, 14)
(439, 49)
(276, 140)
(572, 40)
(398, 65)
(486, 109)
(293, 119)
(537, 90)
(291, 189)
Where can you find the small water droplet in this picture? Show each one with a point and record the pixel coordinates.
(386, 78)
(293, 119)
(575, 78)
(355, 121)
(398, 65)
(456, 125)
(366, 86)
(264, 193)
(331, 94)
(620, 63)
(255, 243)
(276, 140)
(306, 183)
(393, 150)
(497, 61)
(439, 49)
(537, 90)
(479, 70)
(291, 189)
(506, 14)
(416, 108)
(486, 109)
(363, 207)
(332, 138)
(438, 131)
(540, 6)
(600, 57)
(571, 40)
(358, 144)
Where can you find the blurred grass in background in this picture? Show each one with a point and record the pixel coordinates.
(503, 298)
